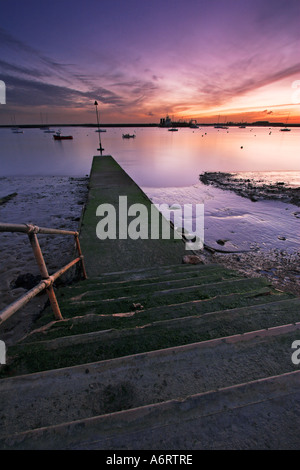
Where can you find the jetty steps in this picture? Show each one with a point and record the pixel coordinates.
(153, 353)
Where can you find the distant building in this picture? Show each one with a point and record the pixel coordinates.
(193, 124)
(165, 122)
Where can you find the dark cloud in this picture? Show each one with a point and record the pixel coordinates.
(10, 42)
(21, 70)
(42, 81)
(32, 93)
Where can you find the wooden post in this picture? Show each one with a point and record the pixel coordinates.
(44, 273)
(81, 256)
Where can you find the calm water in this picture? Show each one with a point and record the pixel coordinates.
(167, 166)
(156, 157)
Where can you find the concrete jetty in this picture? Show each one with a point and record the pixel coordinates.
(153, 353)
(108, 181)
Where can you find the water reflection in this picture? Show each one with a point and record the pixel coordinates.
(156, 158)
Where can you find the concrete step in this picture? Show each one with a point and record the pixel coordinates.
(83, 406)
(244, 303)
(150, 282)
(108, 344)
(250, 416)
(154, 272)
(125, 303)
(90, 290)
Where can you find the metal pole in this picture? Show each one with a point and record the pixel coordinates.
(45, 275)
(81, 256)
(100, 146)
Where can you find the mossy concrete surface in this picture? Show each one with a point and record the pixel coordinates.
(108, 181)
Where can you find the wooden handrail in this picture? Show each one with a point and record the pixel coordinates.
(47, 280)
(27, 228)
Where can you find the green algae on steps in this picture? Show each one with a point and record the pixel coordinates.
(158, 299)
(88, 289)
(91, 292)
(163, 297)
(230, 305)
(98, 346)
(154, 282)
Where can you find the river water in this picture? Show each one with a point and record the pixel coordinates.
(167, 166)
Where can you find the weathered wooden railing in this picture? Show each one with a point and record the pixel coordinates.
(47, 280)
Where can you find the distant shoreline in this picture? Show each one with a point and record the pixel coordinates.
(178, 124)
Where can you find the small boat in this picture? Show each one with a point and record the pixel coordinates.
(220, 126)
(173, 129)
(15, 128)
(100, 130)
(285, 129)
(49, 131)
(58, 136)
(128, 136)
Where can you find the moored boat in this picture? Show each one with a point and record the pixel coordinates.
(128, 136)
(58, 136)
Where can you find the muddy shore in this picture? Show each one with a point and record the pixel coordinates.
(279, 266)
(254, 190)
(54, 202)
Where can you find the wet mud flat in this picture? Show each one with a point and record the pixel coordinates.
(46, 201)
(280, 266)
(255, 190)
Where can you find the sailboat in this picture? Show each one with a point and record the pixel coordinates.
(15, 128)
(220, 126)
(285, 129)
(45, 128)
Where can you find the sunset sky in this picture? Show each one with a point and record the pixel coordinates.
(140, 60)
